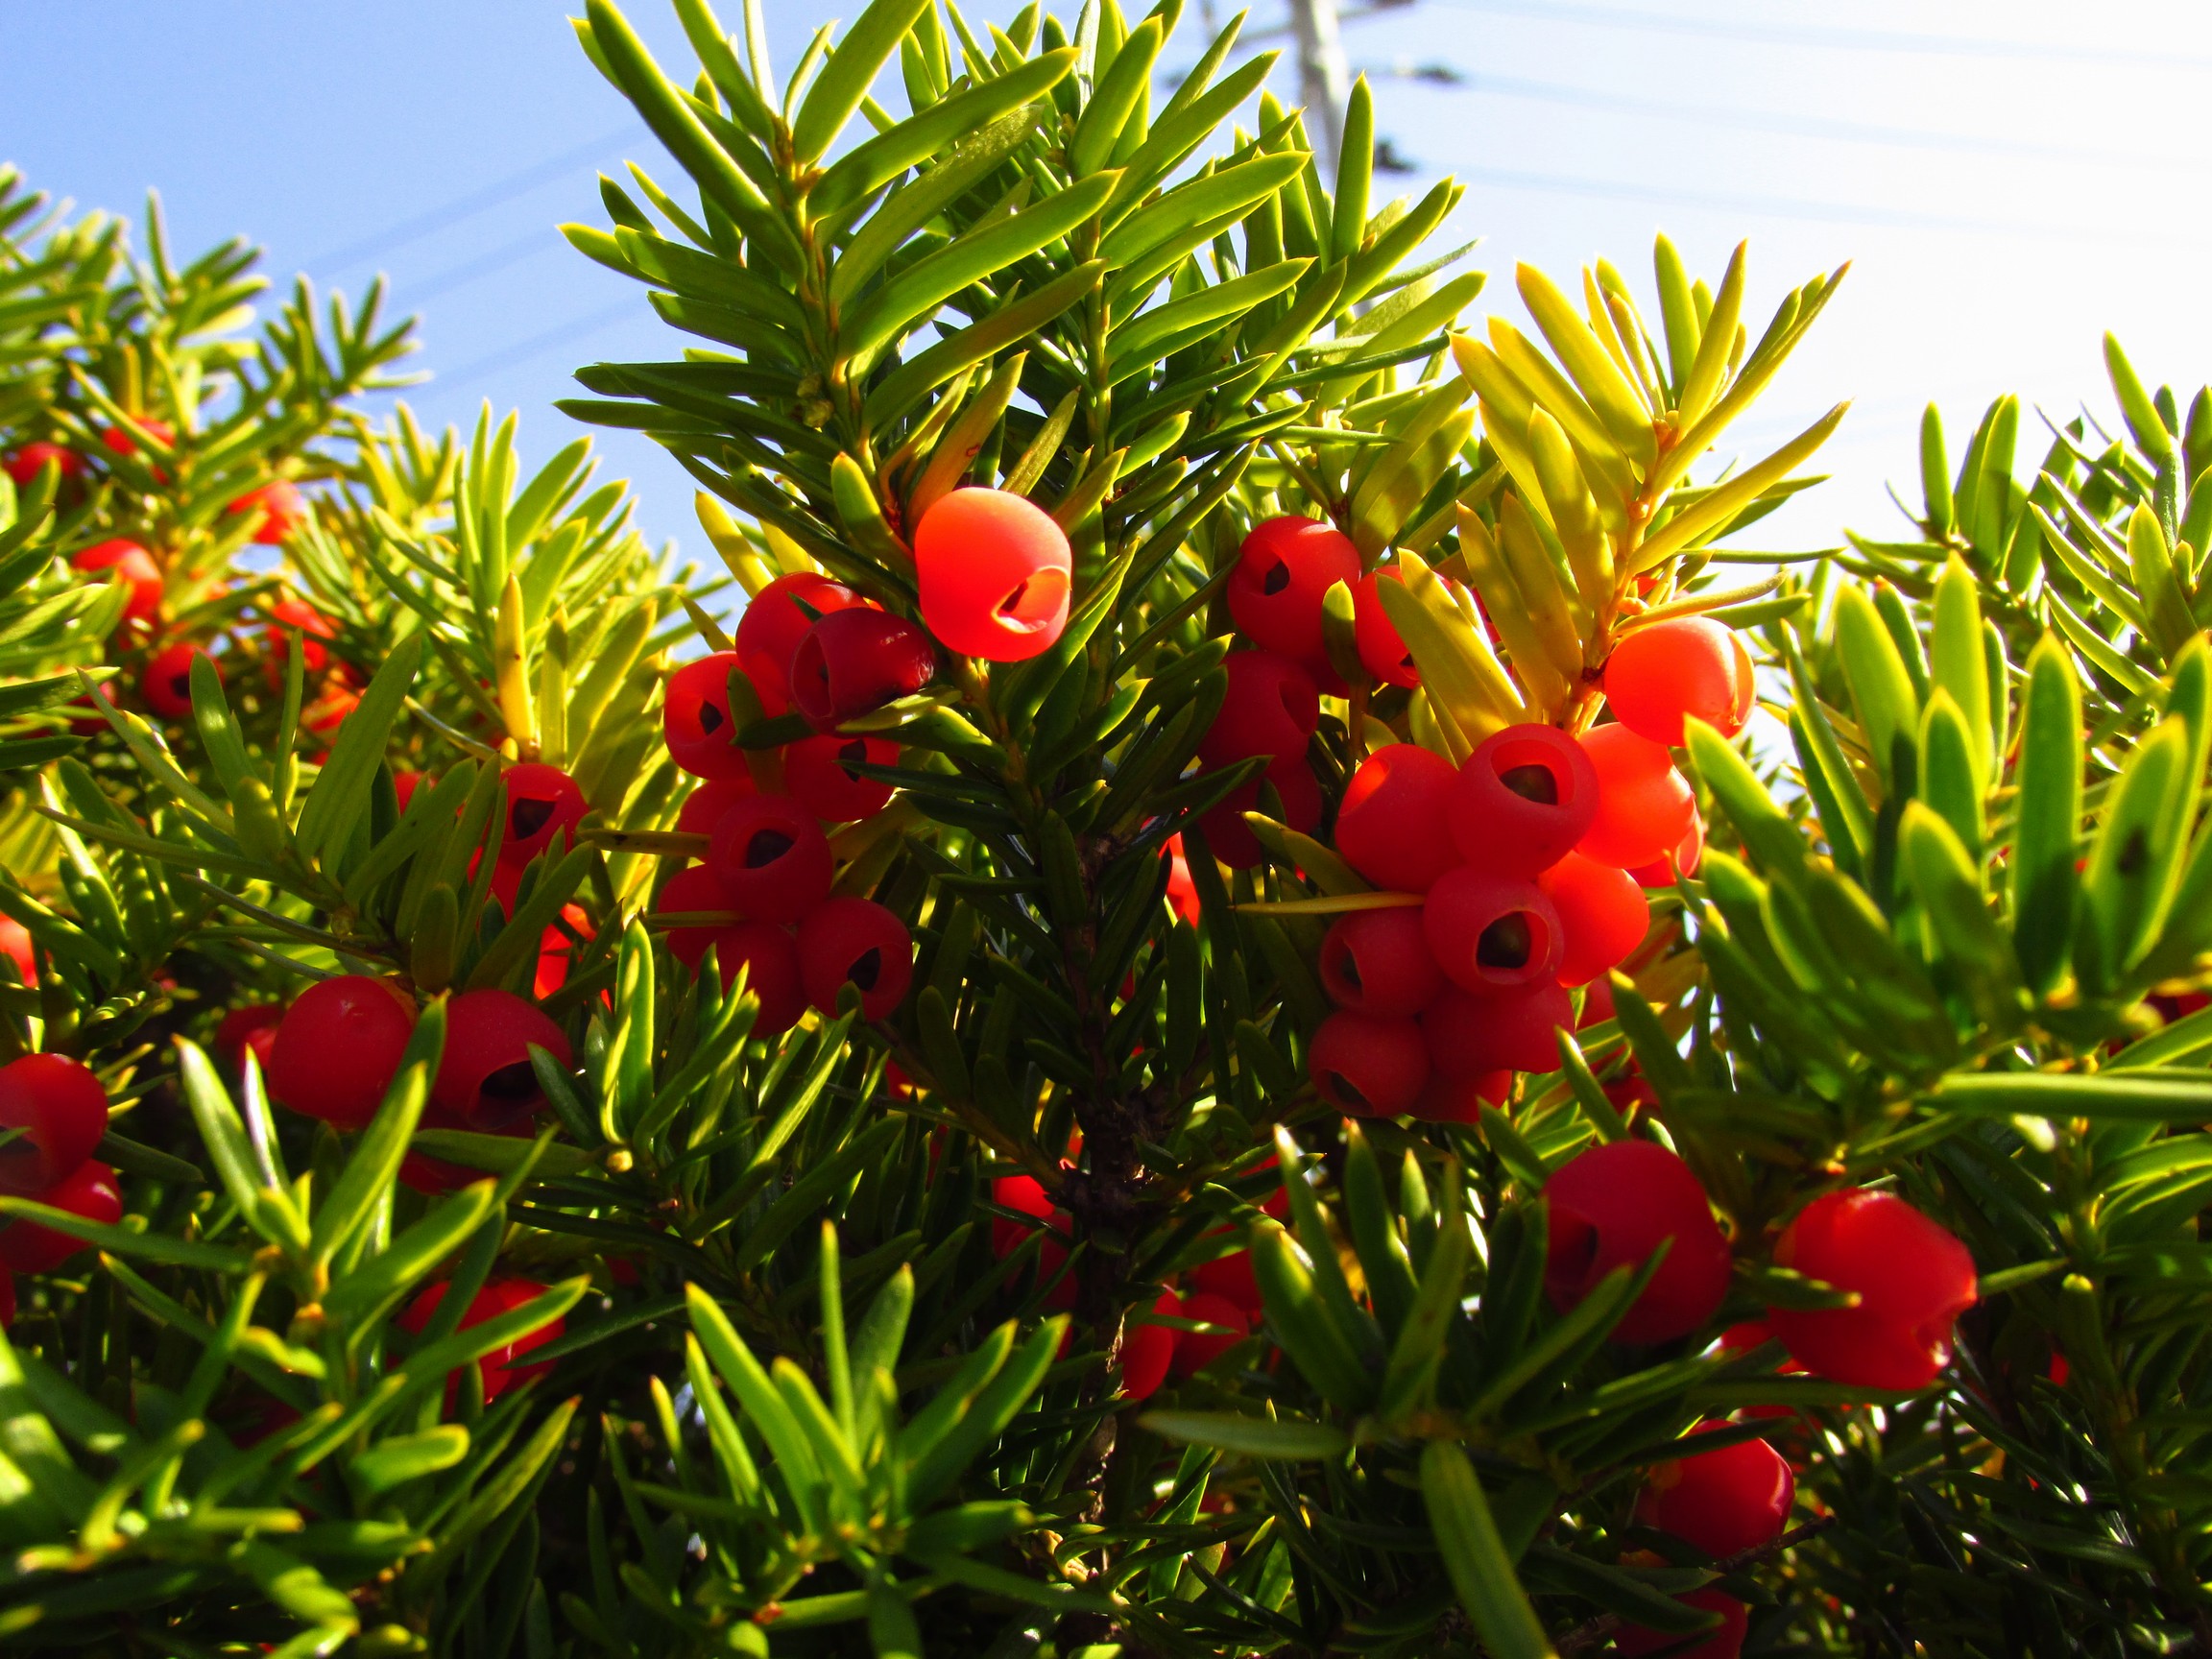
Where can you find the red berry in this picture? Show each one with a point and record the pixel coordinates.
(1284, 570)
(62, 1112)
(779, 617)
(283, 508)
(1523, 798)
(1182, 891)
(1230, 838)
(691, 890)
(1367, 1067)
(770, 960)
(1912, 1276)
(1742, 1338)
(771, 857)
(497, 1368)
(17, 947)
(166, 682)
(6, 1300)
(329, 709)
(314, 628)
(338, 1049)
(1491, 932)
(1724, 1502)
(1026, 1193)
(435, 1176)
(1452, 1100)
(1472, 1038)
(1660, 872)
(1230, 1278)
(704, 807)
(248, 1030)
(855, 942)
(543, 805)
(1689, 665)
(135, 566)
(118, 442)
(555, 947)
(1379, 962)
(1271, 707)
(1196, 1350)
(1394, 827)
(403, 787)
(1603, 915)
(818, 770)
(1634, 1641)
(852, 661)
(1613, 1205)
(697, 722)
(1147, 1349)
(24, 466)
(994, 571)
(89, 1190)
(1382, 652)
(485, 1074)
(1644, 806)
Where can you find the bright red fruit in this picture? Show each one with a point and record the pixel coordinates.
(62, 1112)
(89, 1190)
(485, 1074)
(338, 1049)
(1394, 827)
(1284, 570)
(248, 1030)
(1230, 1278)
(1196, 1350)
(543, 805)
(779, 617)
(1026, 1194)
(283, 508)
(117, 441)
(704, 807)
(1523, 798)
(771, 857)
(1379, 962)
(135, 566)
(695, 719)
(498, 1368)
(555, 947)
(694, 889)
(1147, 1349)
(315, 629)
(1450, 1099)
(855, 942)
(1473, 1037)
(852, 661)
(166, 681)
(1913, 1278)
(1367, 1067)
(1270, 708)
(1660, 872)
(770, 960)
(1491, 932)
(818, 773)
(17, 947)
(23, 466)
(1230, 838)
(1724, 1501)
(1634, 1641)
(1182, 891)
(1382, 652)
(1689, 665)
(1644, 806)
(1603, 915)
(1613, 1205)
(993, 572)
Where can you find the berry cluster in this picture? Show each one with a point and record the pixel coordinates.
(55, 1114)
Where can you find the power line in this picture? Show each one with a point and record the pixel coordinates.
(499, 259)
(1826, 38)
(536, 345)
(454, 212)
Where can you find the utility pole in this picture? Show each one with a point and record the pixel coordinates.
(1323, 81)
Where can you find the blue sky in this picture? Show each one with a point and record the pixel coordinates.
(2007, 182)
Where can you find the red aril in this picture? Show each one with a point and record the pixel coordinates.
(1382, 652)
(994, 571)
(1912, 1276)
(855, 942)
(704, 807)
(1644, 806)
(283, 510)
(820, 773)
(1523, 798)
(1472, 1039)
(697, 722)
(1367, 1067)
(25, 465)
(1284, 570)
(485, 1076)
(1196, 1350)
(694, 890)
(1146, 1348)
(135, 566)
(1724, 1501)
(499, 1369)
(1725, 1642)
(1228, 834)
(1688, 666)
(771, 857)
(338, 1049)
(62, 1112)
(1393, 827)
(1613, 1205)
(854, 662)
(776, 620)
(88, 1191)
(248, 1030)
(1379, 962)
(315, 629)
(118, 442)
(1491, 932)
(1271, 707)
(543, 805)
(769, 958)
(557, 946)
(1660, 872)
(17, 947)
(166, 681)
(1603, 915)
